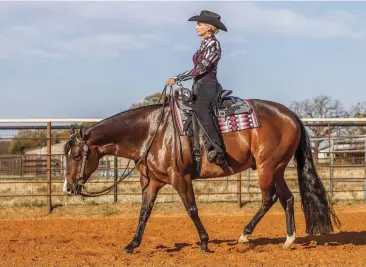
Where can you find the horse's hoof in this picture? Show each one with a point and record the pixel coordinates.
(289, 241)
(243, 239)
(128, 250)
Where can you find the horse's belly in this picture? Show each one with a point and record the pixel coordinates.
(239, 158)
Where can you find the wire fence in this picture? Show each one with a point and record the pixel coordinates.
(35, 176)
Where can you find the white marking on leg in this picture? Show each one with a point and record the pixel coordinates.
(64, 187)
(243, 239)
(289, 241)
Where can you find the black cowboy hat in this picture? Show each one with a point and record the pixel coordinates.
(209, 18)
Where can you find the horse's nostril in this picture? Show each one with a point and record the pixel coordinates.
(69, 191)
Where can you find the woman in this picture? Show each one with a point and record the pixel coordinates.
(205, 86)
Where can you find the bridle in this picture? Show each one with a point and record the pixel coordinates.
(80, 178)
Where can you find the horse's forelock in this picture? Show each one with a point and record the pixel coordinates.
(70, 143)
(67, 147)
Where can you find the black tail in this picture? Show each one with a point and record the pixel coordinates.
(318, 213)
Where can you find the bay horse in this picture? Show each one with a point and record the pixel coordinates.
(269, 148)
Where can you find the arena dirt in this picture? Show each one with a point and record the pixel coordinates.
(87, 235)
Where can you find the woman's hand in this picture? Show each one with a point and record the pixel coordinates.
(170, 82)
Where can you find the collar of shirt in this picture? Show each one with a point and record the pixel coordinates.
(206, 39)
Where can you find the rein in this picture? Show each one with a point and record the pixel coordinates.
(80, 185)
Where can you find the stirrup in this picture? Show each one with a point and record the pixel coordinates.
(214, 157)
(219, 160)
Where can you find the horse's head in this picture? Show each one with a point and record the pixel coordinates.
(82, 161)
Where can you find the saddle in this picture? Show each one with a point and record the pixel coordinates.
(232, 114)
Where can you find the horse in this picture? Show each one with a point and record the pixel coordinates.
(147, 135)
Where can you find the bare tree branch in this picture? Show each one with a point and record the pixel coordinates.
(320, 107)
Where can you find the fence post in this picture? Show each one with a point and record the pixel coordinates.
(115, 192)
(331, 168)
(238, 187)
(107, 167)
(364, 159)
(49, 179)
(21, 166)
(331, 160)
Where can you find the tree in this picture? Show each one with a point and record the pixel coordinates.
(358, 111)
(149, 100)
(26, 139)
(320, 107)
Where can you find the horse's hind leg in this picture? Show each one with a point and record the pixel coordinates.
(269, 197)
(287, 202)
(149, 194)
(184, 187)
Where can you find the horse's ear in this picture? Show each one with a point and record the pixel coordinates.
(84, 136)
(81, 132)
(72, 129)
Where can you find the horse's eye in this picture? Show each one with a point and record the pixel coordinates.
(76, 157)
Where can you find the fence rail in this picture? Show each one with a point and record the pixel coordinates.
(36, 175)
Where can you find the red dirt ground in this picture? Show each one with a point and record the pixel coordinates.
(96, 235)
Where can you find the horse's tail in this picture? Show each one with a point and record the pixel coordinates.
(318, 212)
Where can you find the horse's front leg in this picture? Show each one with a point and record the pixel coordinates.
(183, 185)
(150, 189)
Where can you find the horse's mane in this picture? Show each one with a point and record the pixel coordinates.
(73, 138)
(125, 112)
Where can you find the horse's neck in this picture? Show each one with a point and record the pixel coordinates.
(125, 134)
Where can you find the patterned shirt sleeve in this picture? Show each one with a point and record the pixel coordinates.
(211, 54)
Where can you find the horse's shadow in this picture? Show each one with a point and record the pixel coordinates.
(337, 239)
(180, 246)
(177, 247)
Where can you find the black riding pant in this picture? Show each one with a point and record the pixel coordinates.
(207, 91)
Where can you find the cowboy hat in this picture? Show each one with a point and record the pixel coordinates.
(209, 18)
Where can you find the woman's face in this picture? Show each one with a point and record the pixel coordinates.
(202, 29)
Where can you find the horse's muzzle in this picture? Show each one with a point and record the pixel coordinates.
(72, 190)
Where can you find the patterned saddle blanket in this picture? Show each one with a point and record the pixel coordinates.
(233, 113)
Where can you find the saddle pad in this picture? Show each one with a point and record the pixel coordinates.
(228, 123)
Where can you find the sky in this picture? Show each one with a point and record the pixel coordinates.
(94, 59)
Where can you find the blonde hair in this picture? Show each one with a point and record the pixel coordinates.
(213, 29)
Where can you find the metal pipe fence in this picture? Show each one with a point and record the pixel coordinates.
(33, 166)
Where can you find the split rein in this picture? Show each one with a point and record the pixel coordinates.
(80, 185)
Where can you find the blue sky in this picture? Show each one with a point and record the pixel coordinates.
(94, 59)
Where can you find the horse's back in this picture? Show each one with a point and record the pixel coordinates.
(273, 111)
